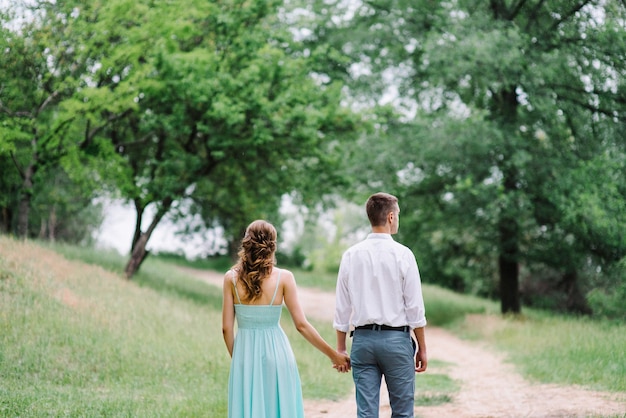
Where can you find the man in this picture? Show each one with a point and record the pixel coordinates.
(379, 294)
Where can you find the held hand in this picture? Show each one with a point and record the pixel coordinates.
(421, 361)
(341, 362)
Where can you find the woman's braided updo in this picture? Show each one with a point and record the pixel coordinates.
(256, 257)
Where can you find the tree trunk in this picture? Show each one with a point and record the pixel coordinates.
(7, 220)
(508, 260)
(52, 223)
(24, 202)
(137, 256)
(139, 210)
(509, 267)
(42, 229)
(139, 252)
(576, 301)
(27, 192)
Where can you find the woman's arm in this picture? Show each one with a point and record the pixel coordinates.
(228, 313)
(290, 293)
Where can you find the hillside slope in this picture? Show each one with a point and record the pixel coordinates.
(78, 340)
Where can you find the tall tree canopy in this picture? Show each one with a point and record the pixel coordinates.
(213, 101)
(42, 66)
(508, 152)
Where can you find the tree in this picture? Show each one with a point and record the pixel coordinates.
(30, 88)
(514, 98)
(44, 65)
(226, 113)
(165, 102)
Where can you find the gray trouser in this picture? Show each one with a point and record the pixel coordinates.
(383, 353)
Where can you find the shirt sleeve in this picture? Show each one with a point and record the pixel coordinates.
(413, 299)
(343, 305)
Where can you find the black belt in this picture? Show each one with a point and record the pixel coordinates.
(376, 327)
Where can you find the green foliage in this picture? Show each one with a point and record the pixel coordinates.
(45, 67)
(294, 259)
(609, 303)
(9, 186)
(326, 235)
(504, 153)
(607, 296)
(62, 209)
(212, 102)
(228, 117)
(499, 126)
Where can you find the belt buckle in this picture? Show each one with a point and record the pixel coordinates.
(377, 327)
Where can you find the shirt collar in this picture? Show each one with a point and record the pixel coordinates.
(376, 235)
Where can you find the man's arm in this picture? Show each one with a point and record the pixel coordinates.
(341, 347)
(412, 290)
(341, 341)
(343, 308)
(421, 358)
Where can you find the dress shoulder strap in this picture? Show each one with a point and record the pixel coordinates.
(234, 280)
(276, 290)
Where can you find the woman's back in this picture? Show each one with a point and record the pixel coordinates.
(271, 290)
(261, 313)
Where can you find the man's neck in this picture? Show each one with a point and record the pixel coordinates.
(385, 229)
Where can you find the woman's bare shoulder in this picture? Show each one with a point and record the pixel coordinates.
(287, 278)
(230, 276)
(285, 273)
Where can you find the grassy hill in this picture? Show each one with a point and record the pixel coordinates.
(79, 340)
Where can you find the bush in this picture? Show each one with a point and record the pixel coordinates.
(607, 298)
(609, 305)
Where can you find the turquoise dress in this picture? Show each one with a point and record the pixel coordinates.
(264, 381)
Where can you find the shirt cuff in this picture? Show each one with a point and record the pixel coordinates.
(418, 324)
(341, 327)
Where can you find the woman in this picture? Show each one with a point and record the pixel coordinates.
(264, 379)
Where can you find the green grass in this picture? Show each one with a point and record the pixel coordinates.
(77, 340)
(435, 387)
(556, 349)
(445, 308)
(159, 273)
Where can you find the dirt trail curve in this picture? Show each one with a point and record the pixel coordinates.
(490, 387)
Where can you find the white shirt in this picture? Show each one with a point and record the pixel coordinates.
(378, 283)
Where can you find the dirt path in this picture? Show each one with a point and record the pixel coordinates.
(490, 387)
